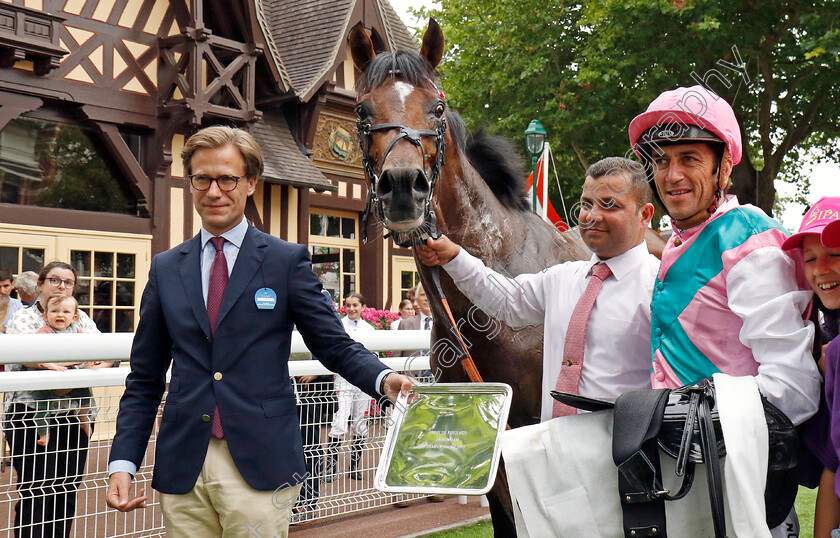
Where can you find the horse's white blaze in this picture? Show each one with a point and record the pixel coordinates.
(403, 89)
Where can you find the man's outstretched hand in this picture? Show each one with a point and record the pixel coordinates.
(438, 251)
(397, 383)
(119, 493)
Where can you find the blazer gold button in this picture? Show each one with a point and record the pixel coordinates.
(205, 418)
(217, 376)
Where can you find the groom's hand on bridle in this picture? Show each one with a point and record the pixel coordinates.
(437, 251)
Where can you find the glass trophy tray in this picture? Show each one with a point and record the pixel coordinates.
(443, 439)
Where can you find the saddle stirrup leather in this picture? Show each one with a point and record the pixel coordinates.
(637, 422)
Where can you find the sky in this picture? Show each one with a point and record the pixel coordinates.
(825, 176)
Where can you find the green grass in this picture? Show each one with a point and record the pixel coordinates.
(477, 530)
(805, 501)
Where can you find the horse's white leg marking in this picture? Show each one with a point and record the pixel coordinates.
(403, 90)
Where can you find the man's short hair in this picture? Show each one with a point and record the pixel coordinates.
(639, 185)
(219, 136)
(5, 275)
(27, 282)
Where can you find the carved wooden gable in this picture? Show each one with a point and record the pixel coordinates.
(113, 44)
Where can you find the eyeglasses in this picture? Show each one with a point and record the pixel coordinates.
(58, 282)
(225, 183)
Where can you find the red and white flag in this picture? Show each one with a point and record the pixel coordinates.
(544, 208)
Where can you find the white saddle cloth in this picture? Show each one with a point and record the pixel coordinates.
(563, 481)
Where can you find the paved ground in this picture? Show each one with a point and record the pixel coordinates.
(392, 522)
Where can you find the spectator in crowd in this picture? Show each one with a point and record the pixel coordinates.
(26, 286)
(4, 308)
(48, 477)
(411, 295)
(219, 309)
(315, 406)
(406, 311)
(589, 309)
(353, 404)
(10, 305)
(423, 318)
(61, 312)
(818, 241)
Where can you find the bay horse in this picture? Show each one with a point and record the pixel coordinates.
(425, 173)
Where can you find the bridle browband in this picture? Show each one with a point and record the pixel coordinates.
(413, 136)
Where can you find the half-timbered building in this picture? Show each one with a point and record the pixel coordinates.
(98, 96)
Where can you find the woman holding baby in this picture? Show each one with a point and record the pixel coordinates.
(49, 430)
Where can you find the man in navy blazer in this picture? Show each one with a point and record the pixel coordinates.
(233, 376)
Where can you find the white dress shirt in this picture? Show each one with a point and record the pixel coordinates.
(423, 318)
(233, 243)
(617, 355)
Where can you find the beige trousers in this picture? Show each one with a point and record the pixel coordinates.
(222, 504)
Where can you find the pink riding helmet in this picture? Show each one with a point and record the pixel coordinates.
(674, 112)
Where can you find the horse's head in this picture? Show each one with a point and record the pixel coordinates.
(402, 128)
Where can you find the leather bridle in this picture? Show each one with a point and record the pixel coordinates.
(413, 136)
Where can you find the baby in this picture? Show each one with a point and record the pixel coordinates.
(59, 315)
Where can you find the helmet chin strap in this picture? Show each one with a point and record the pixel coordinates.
(718, 192)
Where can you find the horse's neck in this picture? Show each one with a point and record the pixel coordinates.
(472, 215)
(505, 239)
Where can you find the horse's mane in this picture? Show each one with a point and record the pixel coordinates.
(493, 157)
(498, 164)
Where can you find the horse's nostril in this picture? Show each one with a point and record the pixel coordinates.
(384, 187)
(421, 183)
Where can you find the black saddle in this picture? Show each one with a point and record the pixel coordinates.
(683, 423)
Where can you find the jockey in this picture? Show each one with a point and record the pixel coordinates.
(727, 298)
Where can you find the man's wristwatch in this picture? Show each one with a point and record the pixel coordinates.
(382, 383)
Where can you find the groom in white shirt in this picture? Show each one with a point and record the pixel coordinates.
(615, 211)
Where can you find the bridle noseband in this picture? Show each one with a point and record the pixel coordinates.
(413, 136)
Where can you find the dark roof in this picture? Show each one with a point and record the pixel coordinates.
(309, 36)
(272, 52)
(283, 160)
(399, 37)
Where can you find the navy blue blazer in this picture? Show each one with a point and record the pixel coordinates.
(250, 351)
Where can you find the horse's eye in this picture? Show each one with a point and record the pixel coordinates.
(361, 111)
(439, 110)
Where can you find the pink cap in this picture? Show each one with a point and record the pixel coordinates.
(690, 106)
(823, 219)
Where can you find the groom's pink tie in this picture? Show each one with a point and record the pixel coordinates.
(569, 380)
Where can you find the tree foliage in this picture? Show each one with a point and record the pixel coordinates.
(585, 70)
(75, 174)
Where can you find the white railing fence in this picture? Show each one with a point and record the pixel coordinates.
(39, 483)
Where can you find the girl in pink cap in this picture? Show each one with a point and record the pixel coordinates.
(819, 241)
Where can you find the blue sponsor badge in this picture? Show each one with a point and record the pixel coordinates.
(265, 298)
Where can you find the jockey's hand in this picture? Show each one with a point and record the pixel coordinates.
(438, 251)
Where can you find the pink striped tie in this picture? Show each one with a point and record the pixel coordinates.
(569, 380)
(215, 293)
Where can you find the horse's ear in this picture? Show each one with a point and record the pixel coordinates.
(361, 47)
(432, 48)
